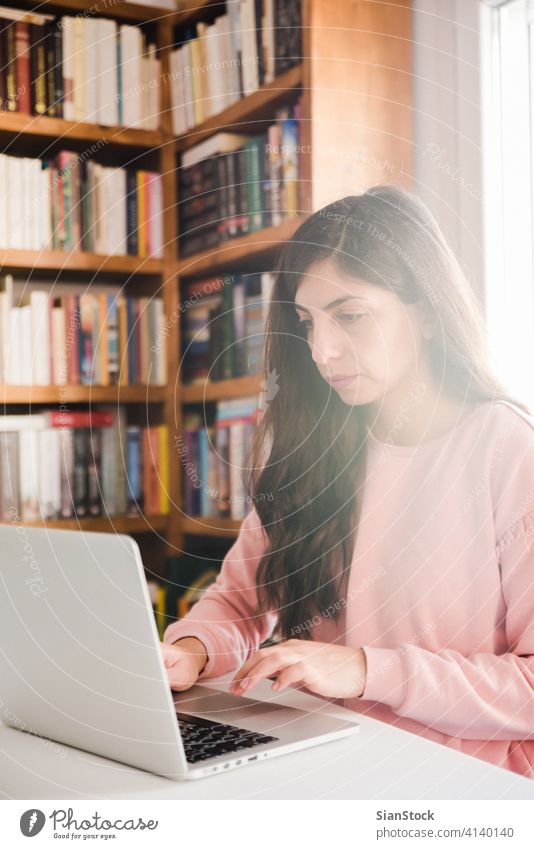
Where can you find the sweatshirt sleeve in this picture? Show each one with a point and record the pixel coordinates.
(224, 619)
(483, 696)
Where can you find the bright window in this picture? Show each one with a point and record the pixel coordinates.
(507, 52)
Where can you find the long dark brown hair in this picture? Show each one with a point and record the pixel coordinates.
(309, 448)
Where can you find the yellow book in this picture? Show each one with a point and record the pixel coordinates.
(194, 46)
(164, 468)
(160, 611)
(141, 214)
(103, 338)
(123, 341)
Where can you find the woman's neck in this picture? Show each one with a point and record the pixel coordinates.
(421, 414)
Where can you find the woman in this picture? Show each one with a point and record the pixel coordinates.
(389, 544)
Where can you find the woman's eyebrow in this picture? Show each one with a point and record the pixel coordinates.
(336, 303)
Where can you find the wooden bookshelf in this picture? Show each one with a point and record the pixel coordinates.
(82, 394)
(239, 387)
(42, 126)
(247, 114)
(208, 526)
(106, 524)
(11, 259)
(355, 83)
(239, 251)
(102, 8)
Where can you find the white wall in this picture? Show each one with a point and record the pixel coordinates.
(447, 123)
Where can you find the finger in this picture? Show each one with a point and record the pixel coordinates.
(267, 666)
(259, 655)
(169, 657)
(290, 675)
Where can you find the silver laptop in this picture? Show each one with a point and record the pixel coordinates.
(81, 663)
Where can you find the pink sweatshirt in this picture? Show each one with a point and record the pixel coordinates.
(440, 593)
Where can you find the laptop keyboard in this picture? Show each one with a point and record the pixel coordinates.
(203, 738)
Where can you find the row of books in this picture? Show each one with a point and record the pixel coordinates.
(223, 326)
(71, 202)
(67, 334)
(230, 184)
(214, 460)
(80, 68)
(220, 63)
(61, 465)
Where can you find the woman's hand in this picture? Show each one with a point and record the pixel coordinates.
(337, 672)
(184, 661)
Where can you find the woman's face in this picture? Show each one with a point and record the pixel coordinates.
(366, 343)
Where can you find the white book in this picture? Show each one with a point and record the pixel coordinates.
(29, 456)
(107, 114)
(36, 421)
(109, 470)
(66, 460)
(58, 344)
(230, 70)
(268, 39)
(6, 304)
(25, 343)
(156, 218)
(96, 170)
(49, 473)
(157, 348)
(120, 211)
(78, 68)
(92, 69)
(212, 75)
(66, 66)
(15, 202)
(39, 302)
(189, 97)
(4, 206)
(144, 107)
(45, 214)
(219, 143)
(154, 90)
(131, 56)
(248, 46)
(175, 91)
(236, 40)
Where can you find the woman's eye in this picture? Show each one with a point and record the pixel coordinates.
(351, 318)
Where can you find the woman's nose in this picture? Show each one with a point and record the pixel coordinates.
(326, 342)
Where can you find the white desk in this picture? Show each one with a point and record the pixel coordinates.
(380, 762)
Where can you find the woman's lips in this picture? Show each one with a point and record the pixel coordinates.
(341, 383)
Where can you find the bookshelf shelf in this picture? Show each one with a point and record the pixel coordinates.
(197, 393)
(45, 127)
(237, 251)
(118, 9)
(248, 112)
(11, 259)
(115, 524)
(210, 526)
(82, 394)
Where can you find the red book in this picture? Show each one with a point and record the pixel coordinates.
(82, 418)
(22, 51)
(205, 287)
